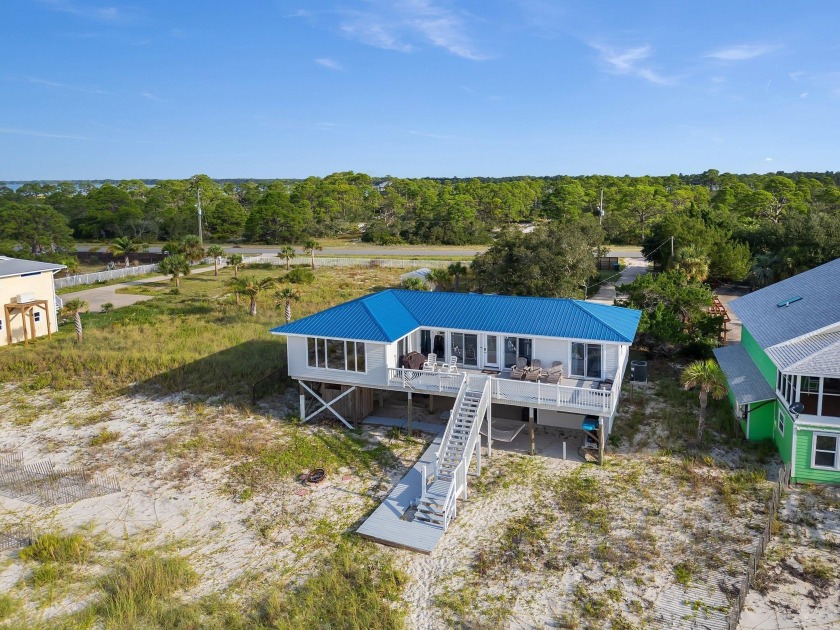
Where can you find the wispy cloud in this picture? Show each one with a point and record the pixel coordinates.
(741, 52)
(404, 26)
(152, 97)
(65, 86)
(39, 134)
(435, 136)
(329, 63)
(631, 61)
(104, 14)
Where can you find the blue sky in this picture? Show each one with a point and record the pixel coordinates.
(160, 89)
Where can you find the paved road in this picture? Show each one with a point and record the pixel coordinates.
(102, 295)
(606, 293)
(364, 249)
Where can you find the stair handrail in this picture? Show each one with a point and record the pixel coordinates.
(475, 429)
(462, 391)
(450, 504)
(459, 475)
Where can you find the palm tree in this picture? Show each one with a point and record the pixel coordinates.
(440, 277)
(286, 296)
(310, 247)
(693, 261)
(192, 248)
(708, 376)
(458, 269)
(175, 265)
(123, 246)
(74, 308)
(287, 252)
(252, 288)
(216, 251)
(763, 271)
(234, 260)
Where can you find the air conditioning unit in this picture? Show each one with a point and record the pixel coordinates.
(24, 298)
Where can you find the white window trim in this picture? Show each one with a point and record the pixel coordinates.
(586, 360)
(836, 437)
(332, 369)
(781, 421)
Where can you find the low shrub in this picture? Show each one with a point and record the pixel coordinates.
(300, 275)
(58, 548)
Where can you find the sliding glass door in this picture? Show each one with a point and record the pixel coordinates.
(465, 347)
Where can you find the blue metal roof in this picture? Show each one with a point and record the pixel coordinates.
(392, 314)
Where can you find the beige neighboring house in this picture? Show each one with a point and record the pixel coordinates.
(27, 296)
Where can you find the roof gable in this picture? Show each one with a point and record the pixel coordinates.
(818, 355)
(819, 307)
(391, 314)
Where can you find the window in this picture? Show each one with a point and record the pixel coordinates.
(586, 360)
(781, 423)
(335, 354)
(825, 451)
(36, 316)
(809, 394)
(425, 341)
(831, 397)
(516, 347)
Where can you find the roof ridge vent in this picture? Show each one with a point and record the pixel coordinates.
(788, 301)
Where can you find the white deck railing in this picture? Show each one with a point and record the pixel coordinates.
(587, 399)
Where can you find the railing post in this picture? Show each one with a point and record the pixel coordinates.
(423, 486)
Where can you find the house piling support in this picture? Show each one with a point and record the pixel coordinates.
(408, 415)
(531, 430)
(302, 401)
(489, 431)
(325, 406)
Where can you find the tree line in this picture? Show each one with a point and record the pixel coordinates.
(725, 226)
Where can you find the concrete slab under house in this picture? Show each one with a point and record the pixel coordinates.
(784, 376)
(497, 369)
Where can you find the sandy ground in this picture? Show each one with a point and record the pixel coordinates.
(798, 586)
(168, 498)
(609, 561)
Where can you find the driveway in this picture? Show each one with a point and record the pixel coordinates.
(102, 295)
(606, 293)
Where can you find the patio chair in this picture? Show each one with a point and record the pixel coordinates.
(555, 373)
(451, 367)
(430, 364)
(518, 371)
(535, 372)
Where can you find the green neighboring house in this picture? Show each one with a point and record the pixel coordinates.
(784, 376)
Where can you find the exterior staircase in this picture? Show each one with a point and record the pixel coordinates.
(438, 502)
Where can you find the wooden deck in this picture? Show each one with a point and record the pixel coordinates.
(386, 525)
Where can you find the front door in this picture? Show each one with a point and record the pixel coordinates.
(491, 351)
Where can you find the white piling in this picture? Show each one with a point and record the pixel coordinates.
(564, 450)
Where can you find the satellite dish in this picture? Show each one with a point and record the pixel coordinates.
(797, 408)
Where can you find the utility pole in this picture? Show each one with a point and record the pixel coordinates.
(672, 246)
(200, 233)
(601, 209)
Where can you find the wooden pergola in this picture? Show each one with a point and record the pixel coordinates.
(27, 312)
(717, 308)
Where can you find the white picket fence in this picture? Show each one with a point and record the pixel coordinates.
(103, 276)
(369, 263)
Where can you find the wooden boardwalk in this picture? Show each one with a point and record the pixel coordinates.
(386, 524)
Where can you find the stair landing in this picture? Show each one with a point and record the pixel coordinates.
(386, 525)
